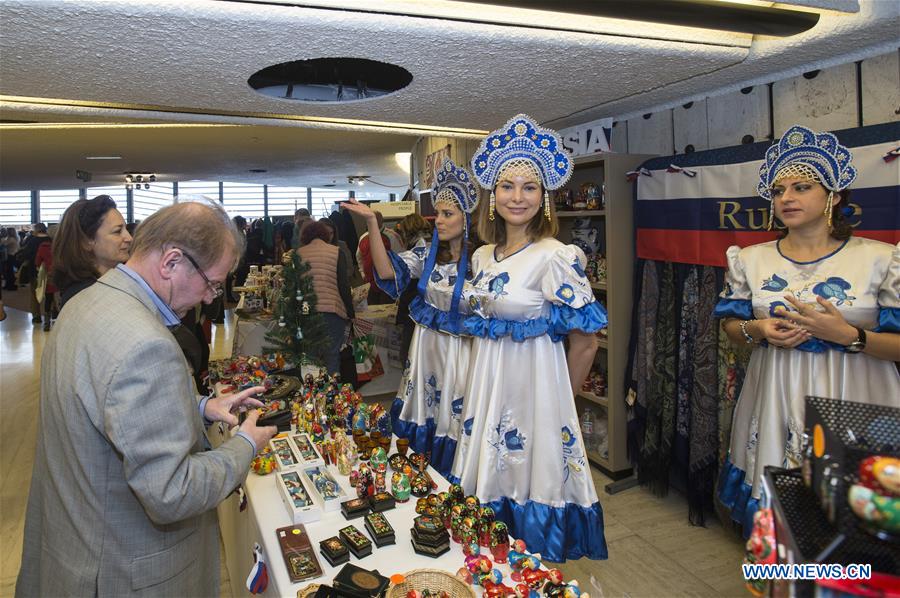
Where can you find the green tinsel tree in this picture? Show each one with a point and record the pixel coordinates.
(299, 333)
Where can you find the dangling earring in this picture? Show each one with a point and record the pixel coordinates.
(547, 205)
(828, 209)
(771, 223)
(491, 208)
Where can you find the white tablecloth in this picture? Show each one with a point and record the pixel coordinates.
(266, 512)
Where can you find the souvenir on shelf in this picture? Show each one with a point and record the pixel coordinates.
(398, 462)
(381, 531)
(305, 451)
(298, 553)
(419, 461)
(324, 487)
(875, 498)
(382, 501)
(356, 541)
(400, 487)
(363, 480)
(357, 582)
(378, 460)
(355, 507)
(334, 550)
(499, 542)
(429, 537)
(281, 448)
(296, 498)
(264, 463)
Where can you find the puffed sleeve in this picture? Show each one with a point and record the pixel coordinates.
(566, 287)
(889, 296)
(407, 265)
(735, 298)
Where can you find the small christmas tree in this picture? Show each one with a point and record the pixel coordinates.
(299, 334)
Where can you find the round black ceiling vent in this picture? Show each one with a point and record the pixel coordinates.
(330, 80)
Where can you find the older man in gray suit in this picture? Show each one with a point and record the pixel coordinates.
(124, 488)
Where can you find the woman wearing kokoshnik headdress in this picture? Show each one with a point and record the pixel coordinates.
(429, 404)
(820, 306)
(521, 450)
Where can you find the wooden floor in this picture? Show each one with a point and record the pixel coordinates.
(653, 550)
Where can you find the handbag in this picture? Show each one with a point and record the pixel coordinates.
(40, 284)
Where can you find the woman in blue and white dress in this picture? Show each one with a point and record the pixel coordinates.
(821, 306)
(430, 400)
(521, 450)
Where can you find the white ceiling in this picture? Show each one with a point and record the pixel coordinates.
(188, 61)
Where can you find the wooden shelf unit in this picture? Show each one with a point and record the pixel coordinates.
(616, 227)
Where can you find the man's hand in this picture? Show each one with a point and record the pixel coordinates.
(224, 408)
(260, 436)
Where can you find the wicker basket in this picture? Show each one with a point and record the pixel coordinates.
(431, 579)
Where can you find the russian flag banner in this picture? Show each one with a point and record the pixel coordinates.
(693, 211)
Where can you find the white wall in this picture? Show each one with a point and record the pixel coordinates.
(838, 97)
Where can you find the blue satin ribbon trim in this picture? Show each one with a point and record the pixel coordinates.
(888, 320)
(734, 308)
(420, 436)
(735, 494)
(557, 533)
(443, 450)
(431, 317)
(394, 287)
(563, 319)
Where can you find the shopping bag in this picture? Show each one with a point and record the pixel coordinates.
(365, 354)
(40, 284)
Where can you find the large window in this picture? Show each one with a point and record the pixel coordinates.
(15, 208)
(196, 189)
(284, 201)
(323, 201)
(243, 199)
(54, 202)
(148, 201)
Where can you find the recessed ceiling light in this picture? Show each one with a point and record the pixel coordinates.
(103, 157)
(338, 79)
(258, 170)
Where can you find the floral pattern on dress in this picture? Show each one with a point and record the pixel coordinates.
(834, 287)
(456, 408)
(774, 283)
(573, 455)
(792, 449)
(507, 441)
(432, 392)
(497, 285)
(436, 276)
(566, 293)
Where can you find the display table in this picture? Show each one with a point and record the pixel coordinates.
(265, 512)
(377, 320)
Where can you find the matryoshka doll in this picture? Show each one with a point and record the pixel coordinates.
(554, 587)
(380, 482)
(378, 460)
(486, 517)
(499, 542)
(400, 486)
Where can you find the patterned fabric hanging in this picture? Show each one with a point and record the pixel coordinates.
(656, 454)
(687, 331)
(704, 397)
(643, 357)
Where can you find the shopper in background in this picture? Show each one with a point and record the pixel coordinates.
(92, 239)
(301, 219)
(364, 259)
(125, 487)
(44, 258)
(11, 242)
(521, 451)
(239, 276)
(820, 306)
(430, 399)
(27, 268)
(331, 284)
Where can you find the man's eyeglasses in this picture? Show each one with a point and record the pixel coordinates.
(216, 288)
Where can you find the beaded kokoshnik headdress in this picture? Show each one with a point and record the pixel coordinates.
(452, 184)
(521, 147)
(802, 153)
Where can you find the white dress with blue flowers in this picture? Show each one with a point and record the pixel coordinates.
(428, 405)
(861, 279)
(521, 450)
